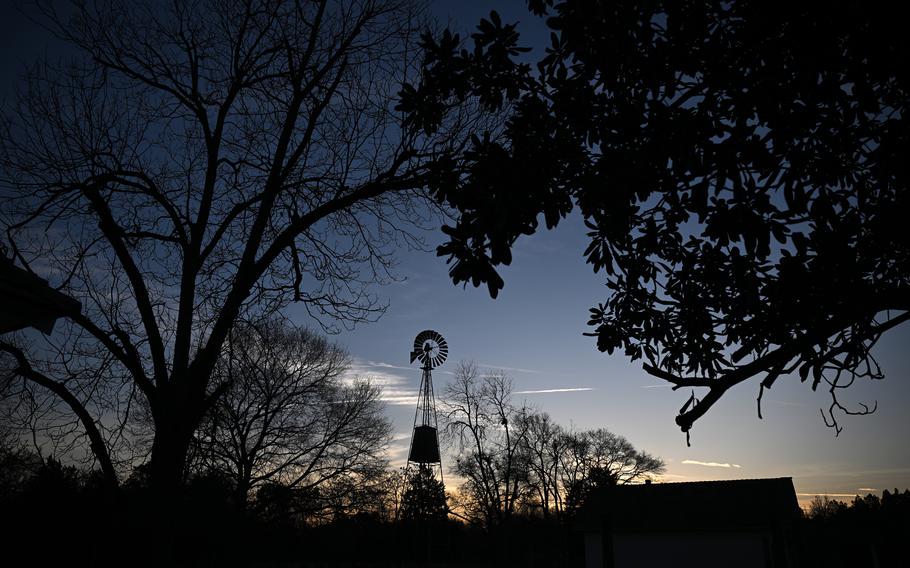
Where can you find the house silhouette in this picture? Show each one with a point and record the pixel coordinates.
(28, 301)
(745, 523)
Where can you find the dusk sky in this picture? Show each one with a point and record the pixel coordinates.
(533, 332)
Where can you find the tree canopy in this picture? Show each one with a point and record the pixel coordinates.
(291, 417)
(740, 168)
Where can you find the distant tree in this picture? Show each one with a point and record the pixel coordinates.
(896, 499)
(515, 459)
(17, 462)
(192, 164)
(286, 506)
(611, 454)
(741, 168)
(424, 498)
(289, 417)
(591, 459)
(489, 433)
(545, 446)
(823, 508)
(870, 531)
(580, 490)
(17, 465)
(368, 495)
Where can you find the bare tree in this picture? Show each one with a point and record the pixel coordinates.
(489, 433)
(515, 459)
(545, 445)
(614, 453)
(564, 466)
(288, 415)
(595, 458)
(200, 162)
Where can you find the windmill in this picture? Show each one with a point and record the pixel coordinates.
(431, 350)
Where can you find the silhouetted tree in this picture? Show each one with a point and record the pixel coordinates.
(16, 466)
(545, 446)
(424, 498)
(371, 494)
(196, 163)
(610, 454)
(580, 490)
(289, 416)
(283, 505)
(17, 463)
(740, 167)
(869, 531)
(566, 466)
(517, 460)
(489, 433)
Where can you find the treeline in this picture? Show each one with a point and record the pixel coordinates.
(516, 460)
(294, 449)
(294, 437)
(56, 513)
(63, 515)
(890, 508)
(869, 531)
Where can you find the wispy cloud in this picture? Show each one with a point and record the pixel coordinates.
(501, 368)
(396, 389)
(712, 464)
(381, 365)
(398, 450)
(547, 391)
(826, 494)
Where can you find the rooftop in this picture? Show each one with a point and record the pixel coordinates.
(728, 504)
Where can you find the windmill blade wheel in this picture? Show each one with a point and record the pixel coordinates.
(430, 348)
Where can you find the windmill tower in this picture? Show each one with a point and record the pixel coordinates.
(431, 350)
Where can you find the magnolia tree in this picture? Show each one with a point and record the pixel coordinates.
(740, 168)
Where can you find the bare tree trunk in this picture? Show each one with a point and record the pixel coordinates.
(176, 418)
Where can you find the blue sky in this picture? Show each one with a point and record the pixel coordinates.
(534, 329)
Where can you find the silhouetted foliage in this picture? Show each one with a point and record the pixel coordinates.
(62, 503)
(823, 507)
(56, 516)
(283, 505)
(862, 510)
(424, 498)
(580, 490)
(16, 466)
(869, 531)
(740, 167)
(289, 416)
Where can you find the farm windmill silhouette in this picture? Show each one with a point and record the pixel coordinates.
(431, 349)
